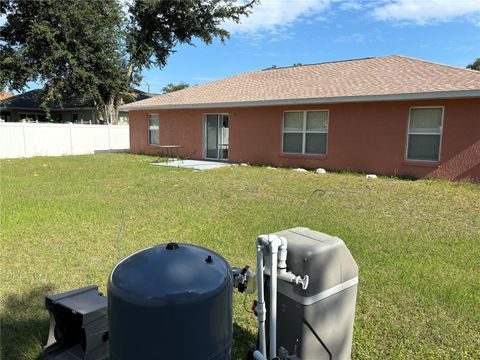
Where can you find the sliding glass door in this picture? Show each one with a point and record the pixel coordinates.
(216, 136)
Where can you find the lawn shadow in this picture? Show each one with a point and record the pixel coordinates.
(24, 324)
(243, 340)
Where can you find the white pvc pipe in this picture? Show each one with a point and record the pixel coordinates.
(282, 255)
(260, 308)
(257, 355)
(287, 276)
(275, 242)
(273, 302)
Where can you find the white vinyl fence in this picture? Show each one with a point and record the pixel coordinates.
(45, 139)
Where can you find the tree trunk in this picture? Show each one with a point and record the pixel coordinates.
(111, 113)
(131, 66)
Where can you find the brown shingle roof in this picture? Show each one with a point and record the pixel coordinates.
(5, 95)
(389, 77)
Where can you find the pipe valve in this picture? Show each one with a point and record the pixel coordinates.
(302, 281)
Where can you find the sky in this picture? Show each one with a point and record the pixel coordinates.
(285, 32)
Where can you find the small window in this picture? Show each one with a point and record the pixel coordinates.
(424, 134)
(153, 130)
(305, 132)
(123, 118)
(27, 117)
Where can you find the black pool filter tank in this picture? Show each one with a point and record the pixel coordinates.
(171, 301)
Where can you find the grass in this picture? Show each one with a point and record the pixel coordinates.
(416, 242)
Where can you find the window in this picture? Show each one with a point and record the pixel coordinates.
(305, 132)
(424, 134)
(123, 118)
(74, 117)
(27, 117)
(153, 130)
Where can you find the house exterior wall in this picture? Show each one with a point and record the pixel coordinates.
(15, 114)
(365, 137)
(85, 116)
(60, 116)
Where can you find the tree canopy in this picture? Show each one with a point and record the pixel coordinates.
(475, 65)
(171, 87)
(97, 49)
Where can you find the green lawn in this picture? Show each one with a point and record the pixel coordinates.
(416, 242)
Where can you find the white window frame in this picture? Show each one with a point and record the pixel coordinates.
(148, 132)
(304, 132)
(441, 133)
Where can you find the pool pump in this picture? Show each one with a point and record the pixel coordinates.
(309, 294)
(174, 301)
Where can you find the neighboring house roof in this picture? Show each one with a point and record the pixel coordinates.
(31, 100)
(5, 95)
(391, 77)
(137, 95)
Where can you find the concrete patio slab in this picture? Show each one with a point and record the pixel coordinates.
(194, 164)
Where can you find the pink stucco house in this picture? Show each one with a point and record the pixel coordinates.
(391, 115)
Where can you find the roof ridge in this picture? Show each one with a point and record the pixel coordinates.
(435, 63)
(319, 63)
(195, 86)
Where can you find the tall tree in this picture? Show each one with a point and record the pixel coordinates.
(72, 47)
(475, 65)
(171, 87)
(96, 49)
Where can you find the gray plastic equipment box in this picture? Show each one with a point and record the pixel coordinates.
(317, 323)
(78, 325)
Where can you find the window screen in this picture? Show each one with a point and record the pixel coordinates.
(424, 132)
(153, 130)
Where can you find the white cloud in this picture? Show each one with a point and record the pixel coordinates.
(277, 15)
(350, 5)
(422, 12)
